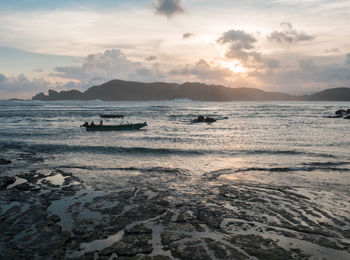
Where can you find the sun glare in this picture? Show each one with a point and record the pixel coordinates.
(234, 66)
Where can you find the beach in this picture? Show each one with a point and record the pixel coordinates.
(268, 180)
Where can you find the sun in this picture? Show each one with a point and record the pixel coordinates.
(235, 66)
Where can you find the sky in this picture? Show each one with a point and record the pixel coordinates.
(291, 46)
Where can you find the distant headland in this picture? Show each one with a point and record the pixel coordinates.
(120, 90)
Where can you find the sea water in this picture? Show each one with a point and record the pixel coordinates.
(264, 165)
(260, 137)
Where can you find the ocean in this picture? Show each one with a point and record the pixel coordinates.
(272, 174)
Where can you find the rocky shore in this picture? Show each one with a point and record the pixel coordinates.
(51, 214)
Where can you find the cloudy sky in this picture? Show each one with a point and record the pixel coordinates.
(292, 46)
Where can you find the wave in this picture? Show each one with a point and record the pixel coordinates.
(147, 151)
(324, 167)
(293, 169)
(63, 148)
(165, 170)
(326, 164)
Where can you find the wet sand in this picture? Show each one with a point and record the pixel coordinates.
(49, 213)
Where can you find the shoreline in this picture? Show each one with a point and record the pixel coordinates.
(50, 213)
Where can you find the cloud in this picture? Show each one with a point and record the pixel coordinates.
(21, 84)
(334, 50)
(238, 39)
(112, 64)
(102, 67)
(169, 8)
(241, 46)
(308, 75)
(289, 35)
(202, 70)
(151, 58)
(187, 35)
(347, 57)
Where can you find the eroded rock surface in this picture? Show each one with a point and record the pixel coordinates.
(50, 214)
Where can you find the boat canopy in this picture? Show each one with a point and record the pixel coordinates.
(112, 116)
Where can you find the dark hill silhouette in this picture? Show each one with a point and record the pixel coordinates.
(333, 94)
(120, 90)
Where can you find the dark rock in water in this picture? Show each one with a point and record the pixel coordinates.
(340, 112)
(200, 119)
(209, 119)
(6, 181)
(4, 161)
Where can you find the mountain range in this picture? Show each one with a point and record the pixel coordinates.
(120, 90)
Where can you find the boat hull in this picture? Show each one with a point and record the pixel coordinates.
(116, 127)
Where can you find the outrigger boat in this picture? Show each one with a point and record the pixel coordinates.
(120, 127)
(115, 127)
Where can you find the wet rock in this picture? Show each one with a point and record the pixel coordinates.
(185, 216)
(261, 248)
(6, 181)
(130, 245)
(138, 229)
(211, 217)
(323, 241)
(55, 218)
(23, 187)
(157, 257)
(4, 161)
(181, 226)
(222, 251)
(163, 203)
(340, 112)
(189, 250)
(168, 237)
(90, 255)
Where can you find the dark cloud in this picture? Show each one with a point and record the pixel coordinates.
(237, 39)
(289, 35)
(168, 8)
(241, 46)
(150, 58)
(187, 35)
